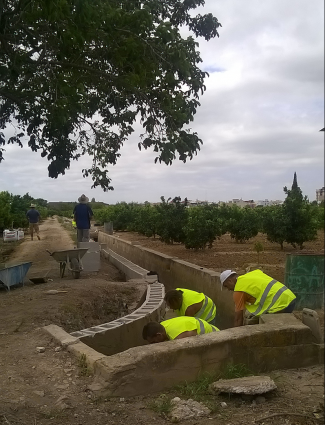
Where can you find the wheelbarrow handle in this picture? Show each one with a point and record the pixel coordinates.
(49, 252)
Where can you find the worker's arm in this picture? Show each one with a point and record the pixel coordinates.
(193, 309)
(239, 300)
(239, 318)
(186, 334)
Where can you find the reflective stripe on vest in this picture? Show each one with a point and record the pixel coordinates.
(202, 309)
(200, 313)
(210, 313)
(264, 296)
(202, 328)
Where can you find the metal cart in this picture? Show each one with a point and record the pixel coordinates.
(70, 258)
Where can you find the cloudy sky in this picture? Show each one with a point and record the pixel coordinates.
(259, 118)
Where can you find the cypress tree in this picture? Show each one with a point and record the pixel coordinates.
(301, 223)
(295, 183)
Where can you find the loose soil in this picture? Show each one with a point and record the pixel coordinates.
(227, 254)
(52, 387)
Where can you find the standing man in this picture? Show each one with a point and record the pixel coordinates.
(33, 217)
(258, 293)
(82, 215)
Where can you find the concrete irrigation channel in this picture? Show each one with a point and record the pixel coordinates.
(124, 365)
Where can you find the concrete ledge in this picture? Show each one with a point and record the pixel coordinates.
(131, 270)
(73, 345)
(60, 335)
(153, 368)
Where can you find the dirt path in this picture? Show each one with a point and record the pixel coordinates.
(50, 388)
(53, 238)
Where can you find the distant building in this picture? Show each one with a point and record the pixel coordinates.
(241, 203)
(196, 203)
(320, 194)
(265, 203)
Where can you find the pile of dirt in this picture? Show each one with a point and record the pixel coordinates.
(102, 304)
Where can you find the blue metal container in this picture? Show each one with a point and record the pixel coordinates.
(13, 275)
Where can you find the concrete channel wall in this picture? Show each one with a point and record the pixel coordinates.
(126, 332)
(279, 342)
(122, 366)
(174, 273)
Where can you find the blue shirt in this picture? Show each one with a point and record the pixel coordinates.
(33, 215)
(82, 212)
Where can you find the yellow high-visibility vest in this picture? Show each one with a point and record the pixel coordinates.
(178, 325)
(208, 309)
(271, 295)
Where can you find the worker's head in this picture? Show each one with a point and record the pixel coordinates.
(83, 199)
(174, 299)
(32, 205)
(228, 279)
(154, 332)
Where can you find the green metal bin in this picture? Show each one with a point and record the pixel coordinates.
(304, 276)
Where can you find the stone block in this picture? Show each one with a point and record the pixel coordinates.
(279, 319)
(310, 318)
(91, 261)
(248, 385)
(91, 246)
(60, 335)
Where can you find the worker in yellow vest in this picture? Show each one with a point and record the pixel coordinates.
(191, 303)
(258, 293)
(73, 222)
(176, 328)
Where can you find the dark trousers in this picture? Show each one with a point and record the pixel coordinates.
(289, 308)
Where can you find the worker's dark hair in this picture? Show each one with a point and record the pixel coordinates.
(173, 295)
(151, 329)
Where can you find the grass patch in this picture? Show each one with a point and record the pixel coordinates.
(83, 365)
(199, 389)
(235, 371)
(161, 404)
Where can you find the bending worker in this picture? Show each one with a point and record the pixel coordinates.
(258, 293)
(176, 328)
(191, 303)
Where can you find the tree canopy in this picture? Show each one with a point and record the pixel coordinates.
(75, 75)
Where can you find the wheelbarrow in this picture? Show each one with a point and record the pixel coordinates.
(70, 258)
(13, 275)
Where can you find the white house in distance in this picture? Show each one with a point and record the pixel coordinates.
(320, 193)
(267, 203)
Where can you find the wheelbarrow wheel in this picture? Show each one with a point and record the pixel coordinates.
(76, 275)
(75, 268)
